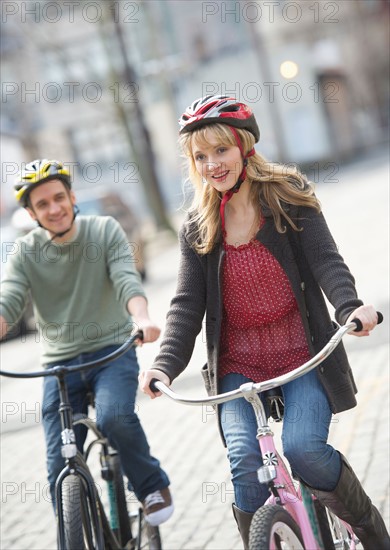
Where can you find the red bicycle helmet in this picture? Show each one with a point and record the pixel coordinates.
(219, 109)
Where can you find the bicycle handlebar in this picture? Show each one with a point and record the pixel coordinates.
(354, 326)
(359, 324)
(60, 370)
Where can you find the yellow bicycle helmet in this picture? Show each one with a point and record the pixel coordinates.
(37, 172)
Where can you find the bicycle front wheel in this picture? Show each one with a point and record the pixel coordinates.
(273, 528)
(80, 532)
(72, 493)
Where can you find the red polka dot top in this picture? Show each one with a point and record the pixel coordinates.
(262, 334)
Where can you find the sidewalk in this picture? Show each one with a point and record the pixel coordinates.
(186, 439)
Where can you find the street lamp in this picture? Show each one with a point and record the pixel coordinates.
(289, 69)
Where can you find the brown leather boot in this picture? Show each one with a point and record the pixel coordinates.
(350, 503)
(243, 520)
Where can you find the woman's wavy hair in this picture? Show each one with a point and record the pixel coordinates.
(273, 186)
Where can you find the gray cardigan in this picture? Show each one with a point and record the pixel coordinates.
(310, 260)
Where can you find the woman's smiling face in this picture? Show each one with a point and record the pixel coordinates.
(217, 163)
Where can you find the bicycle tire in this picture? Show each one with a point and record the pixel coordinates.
(123, 532)
(78, 531)
(72, 518)
(334, 534)
(72, 496)
(271, 526)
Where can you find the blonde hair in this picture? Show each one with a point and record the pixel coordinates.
(272, 185)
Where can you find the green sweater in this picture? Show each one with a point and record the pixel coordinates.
(79, 289)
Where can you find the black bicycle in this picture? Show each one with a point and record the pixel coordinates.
(82, 520)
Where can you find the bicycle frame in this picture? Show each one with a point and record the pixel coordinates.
(276, 475)
(105, 453)
(74, 463)
(274, 471)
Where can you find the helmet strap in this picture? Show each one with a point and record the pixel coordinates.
(241, 178)
(227, 196)
(76, 210)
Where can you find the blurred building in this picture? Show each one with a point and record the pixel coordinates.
(315, 73)
(339, 50)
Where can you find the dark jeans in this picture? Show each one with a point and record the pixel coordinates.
(305, 432)
(114, 387)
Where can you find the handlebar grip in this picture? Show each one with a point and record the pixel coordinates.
(139, 334)
(359, 325)
(152, 385)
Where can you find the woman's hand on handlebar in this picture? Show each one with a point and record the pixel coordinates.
(147, 376)
(367, 316)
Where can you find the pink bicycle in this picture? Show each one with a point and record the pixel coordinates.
(292, 518)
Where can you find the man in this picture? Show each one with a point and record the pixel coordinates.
(87, 297)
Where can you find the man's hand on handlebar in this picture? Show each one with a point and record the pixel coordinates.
(147, 376)
(367, 315)
(149, 329)
(137, 306)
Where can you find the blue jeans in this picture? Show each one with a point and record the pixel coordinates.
(114, 387)
(305, 432)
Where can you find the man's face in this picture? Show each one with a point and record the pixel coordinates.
(51, 204)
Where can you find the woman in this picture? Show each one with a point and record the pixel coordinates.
(255, 254)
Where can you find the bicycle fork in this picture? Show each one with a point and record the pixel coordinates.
(274, 473)
(77, 469)
(73, 466)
